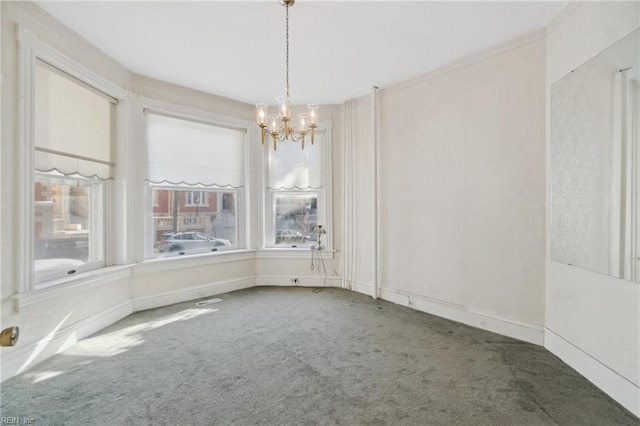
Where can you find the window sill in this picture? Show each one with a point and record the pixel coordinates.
(189, 261)
(151, 266)
(292, 253)
(69, 286)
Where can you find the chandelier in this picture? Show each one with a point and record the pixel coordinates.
(279, 126)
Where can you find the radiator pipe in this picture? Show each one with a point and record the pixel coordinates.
(376, 192)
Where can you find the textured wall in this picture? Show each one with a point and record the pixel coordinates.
(461, 184)
(582, 168)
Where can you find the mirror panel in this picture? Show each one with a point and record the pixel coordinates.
(594, 162)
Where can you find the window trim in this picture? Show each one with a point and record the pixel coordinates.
(31, 49)
(154, 106)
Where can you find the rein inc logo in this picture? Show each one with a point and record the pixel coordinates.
(17, 421)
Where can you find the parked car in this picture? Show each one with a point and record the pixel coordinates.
(179, 241)
(290, 236)
(66, 248)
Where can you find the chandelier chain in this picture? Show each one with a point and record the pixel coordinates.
(287, 62)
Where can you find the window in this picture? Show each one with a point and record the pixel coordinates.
(296, 218)
(183, 154)
(197, 198)
(175, 220)
(73, 143)
(296, 193)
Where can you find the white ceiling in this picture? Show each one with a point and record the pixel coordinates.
(338, 50)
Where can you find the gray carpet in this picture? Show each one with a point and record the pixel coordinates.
(290, 356)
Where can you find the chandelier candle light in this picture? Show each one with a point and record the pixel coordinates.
(279, 125)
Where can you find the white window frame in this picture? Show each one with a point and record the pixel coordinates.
(30, 49)
(97, 226)
(270, 215)
(324, 209)
(154, 106)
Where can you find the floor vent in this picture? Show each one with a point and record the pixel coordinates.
(208, 302)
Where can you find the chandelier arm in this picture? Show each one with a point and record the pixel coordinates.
(297, 136)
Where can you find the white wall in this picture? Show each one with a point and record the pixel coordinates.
(592, 320)
(461, 190)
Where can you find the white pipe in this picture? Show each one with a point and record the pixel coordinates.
(353, 205)
(624, 157)
(347, 198)
(376, 192)
(634, 180)
(345, 211)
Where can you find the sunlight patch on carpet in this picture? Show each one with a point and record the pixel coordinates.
(41, 376)
(119, 341)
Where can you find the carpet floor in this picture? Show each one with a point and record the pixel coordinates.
(292, 356)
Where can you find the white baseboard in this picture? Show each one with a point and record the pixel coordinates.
(27, 356)
(303, 281)
(362, 287)
(526, 332)
(613, 384)
(192, 293)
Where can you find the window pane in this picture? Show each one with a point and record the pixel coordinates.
(63, 218)
(295, 219)
(193, 221)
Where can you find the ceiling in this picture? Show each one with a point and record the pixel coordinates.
(338, 50)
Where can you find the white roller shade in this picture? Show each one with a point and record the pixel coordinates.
(73, 126)
(190, 153)
(290, 167)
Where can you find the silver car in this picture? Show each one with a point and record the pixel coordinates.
(181, 241)
(290, 236)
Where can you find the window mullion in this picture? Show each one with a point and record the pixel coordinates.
(97, 223)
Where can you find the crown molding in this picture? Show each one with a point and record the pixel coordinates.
(499, 49)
